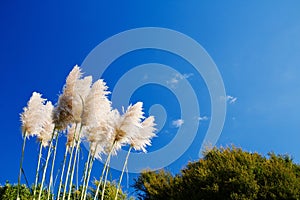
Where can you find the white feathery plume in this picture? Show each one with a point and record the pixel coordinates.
(96, 149)
(123, 128)
(131, 121)
(81, 91)
(132, 117)
(93, 103)
(48, 126)
(97, 137)
(139, 142)
(97, 105)
(143, 139)
(114, 121)
(95, 117)
(62, 113)
(33, 117)
(71, 80)
(127, 126)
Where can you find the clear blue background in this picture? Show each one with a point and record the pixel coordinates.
(255, 44)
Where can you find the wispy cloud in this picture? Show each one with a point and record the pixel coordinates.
(203, 118)
(231, 99)
(177, 123)
(177, 78)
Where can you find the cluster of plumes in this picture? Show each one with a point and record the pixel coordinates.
(84, 107)
(71, 102)
(37, 119)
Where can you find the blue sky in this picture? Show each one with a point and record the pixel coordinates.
(255, 45)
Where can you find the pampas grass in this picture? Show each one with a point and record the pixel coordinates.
(83, 113)
(34, 123)
(124, 127)
(139, 143)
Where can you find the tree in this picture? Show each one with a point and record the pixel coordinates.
(155, 185)
(225, 173)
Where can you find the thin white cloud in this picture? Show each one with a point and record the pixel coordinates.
(203, 118)
(177, 78)
(231, 99)
(186, 76)
(173, 80)
(177, 123)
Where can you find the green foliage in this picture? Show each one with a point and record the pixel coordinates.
(110, 191)
(155, 185)
(109, 194)
(226, 173)
(9, 192)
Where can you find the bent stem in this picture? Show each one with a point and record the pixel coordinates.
(52, 167)
(37, 171)
(21, 164)
(104, 169)
(62, 172)
(46, 164)
(124, 166)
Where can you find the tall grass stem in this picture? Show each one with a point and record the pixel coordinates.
(86, 169)
(62, 172)
(46, 164)
(124, 166)
(52, 167)
(103, 171)
(21, 164)
(89, 173)
(69, 164)
(37, 170)
(74, 163)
